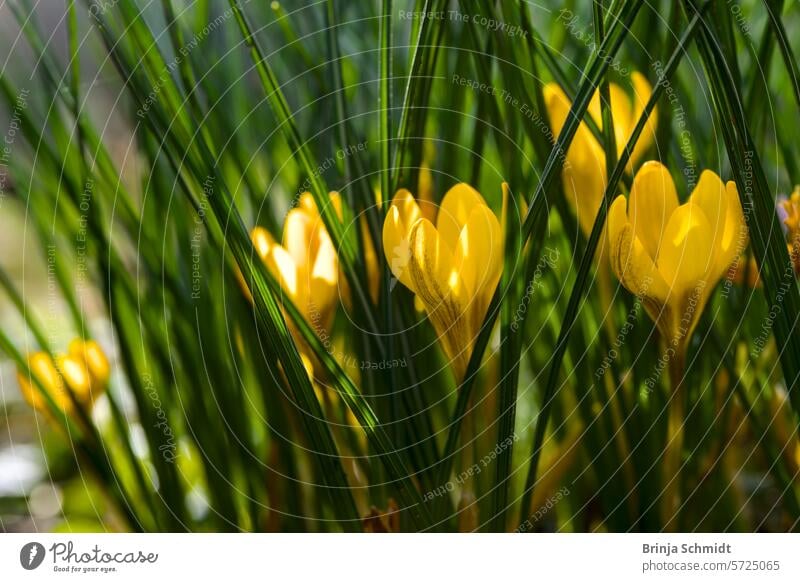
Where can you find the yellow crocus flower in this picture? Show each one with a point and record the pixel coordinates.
(305, 263)
(584, 174)
(84, 370)
(453, 267)
(672, 255)
(91, 354)
(790, 208)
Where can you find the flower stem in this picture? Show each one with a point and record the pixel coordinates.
(672, 451)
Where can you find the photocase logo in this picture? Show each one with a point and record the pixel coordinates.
(31, 555)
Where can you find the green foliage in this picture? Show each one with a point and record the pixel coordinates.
(224, 113)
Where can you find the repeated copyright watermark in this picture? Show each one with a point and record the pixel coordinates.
(490, 24)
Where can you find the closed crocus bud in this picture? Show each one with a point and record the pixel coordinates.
(76, 374)
(44, 369)
(89, 355)
(671, 255)
(83, 370)
(584, 175)
(305, 263)
(453, 267)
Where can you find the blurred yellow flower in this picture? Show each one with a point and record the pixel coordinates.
(584, 174)
(453, 267)
(791, 208)
(84, 370)
(305, 263)
(672, 255)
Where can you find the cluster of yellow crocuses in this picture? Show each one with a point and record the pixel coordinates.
(670, 255)
(83, 371)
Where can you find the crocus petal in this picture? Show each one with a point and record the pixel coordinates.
(324, 275)
(262, 241)
(282, 265)
(720, 204)
(402, 216)
(457, 205)
(735, 235)
(584, 174)
(642, 90)
(557, 105)
(440, 288)
(298, 235)
(336, 201)
(77, 377)
(479, 260)
(631, 262)
(43, 368)
(620, 112)
(431, 264)
(307, 203)
(686, 256)
(652, 202)
(584, 177)
(97, 363)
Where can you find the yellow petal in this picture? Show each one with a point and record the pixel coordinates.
(641, 94)
(620, 113)
(631, 262)
(298, 235)
(307, 203)
(652, 202)
(735, 236)
(90, 352)
(309, 366)
(282, 265)
(454, 212)
(720, 204)
(409, 209)
(336, 201)
(76, 375)
(323, 283)
(431, 264)
(584, 177)
(43, 368)
(479, 261)
(440, 289)
(584, 174)
(262, 241)
(557, 104)
(686, 255)
(479, 251)
(403, 214)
